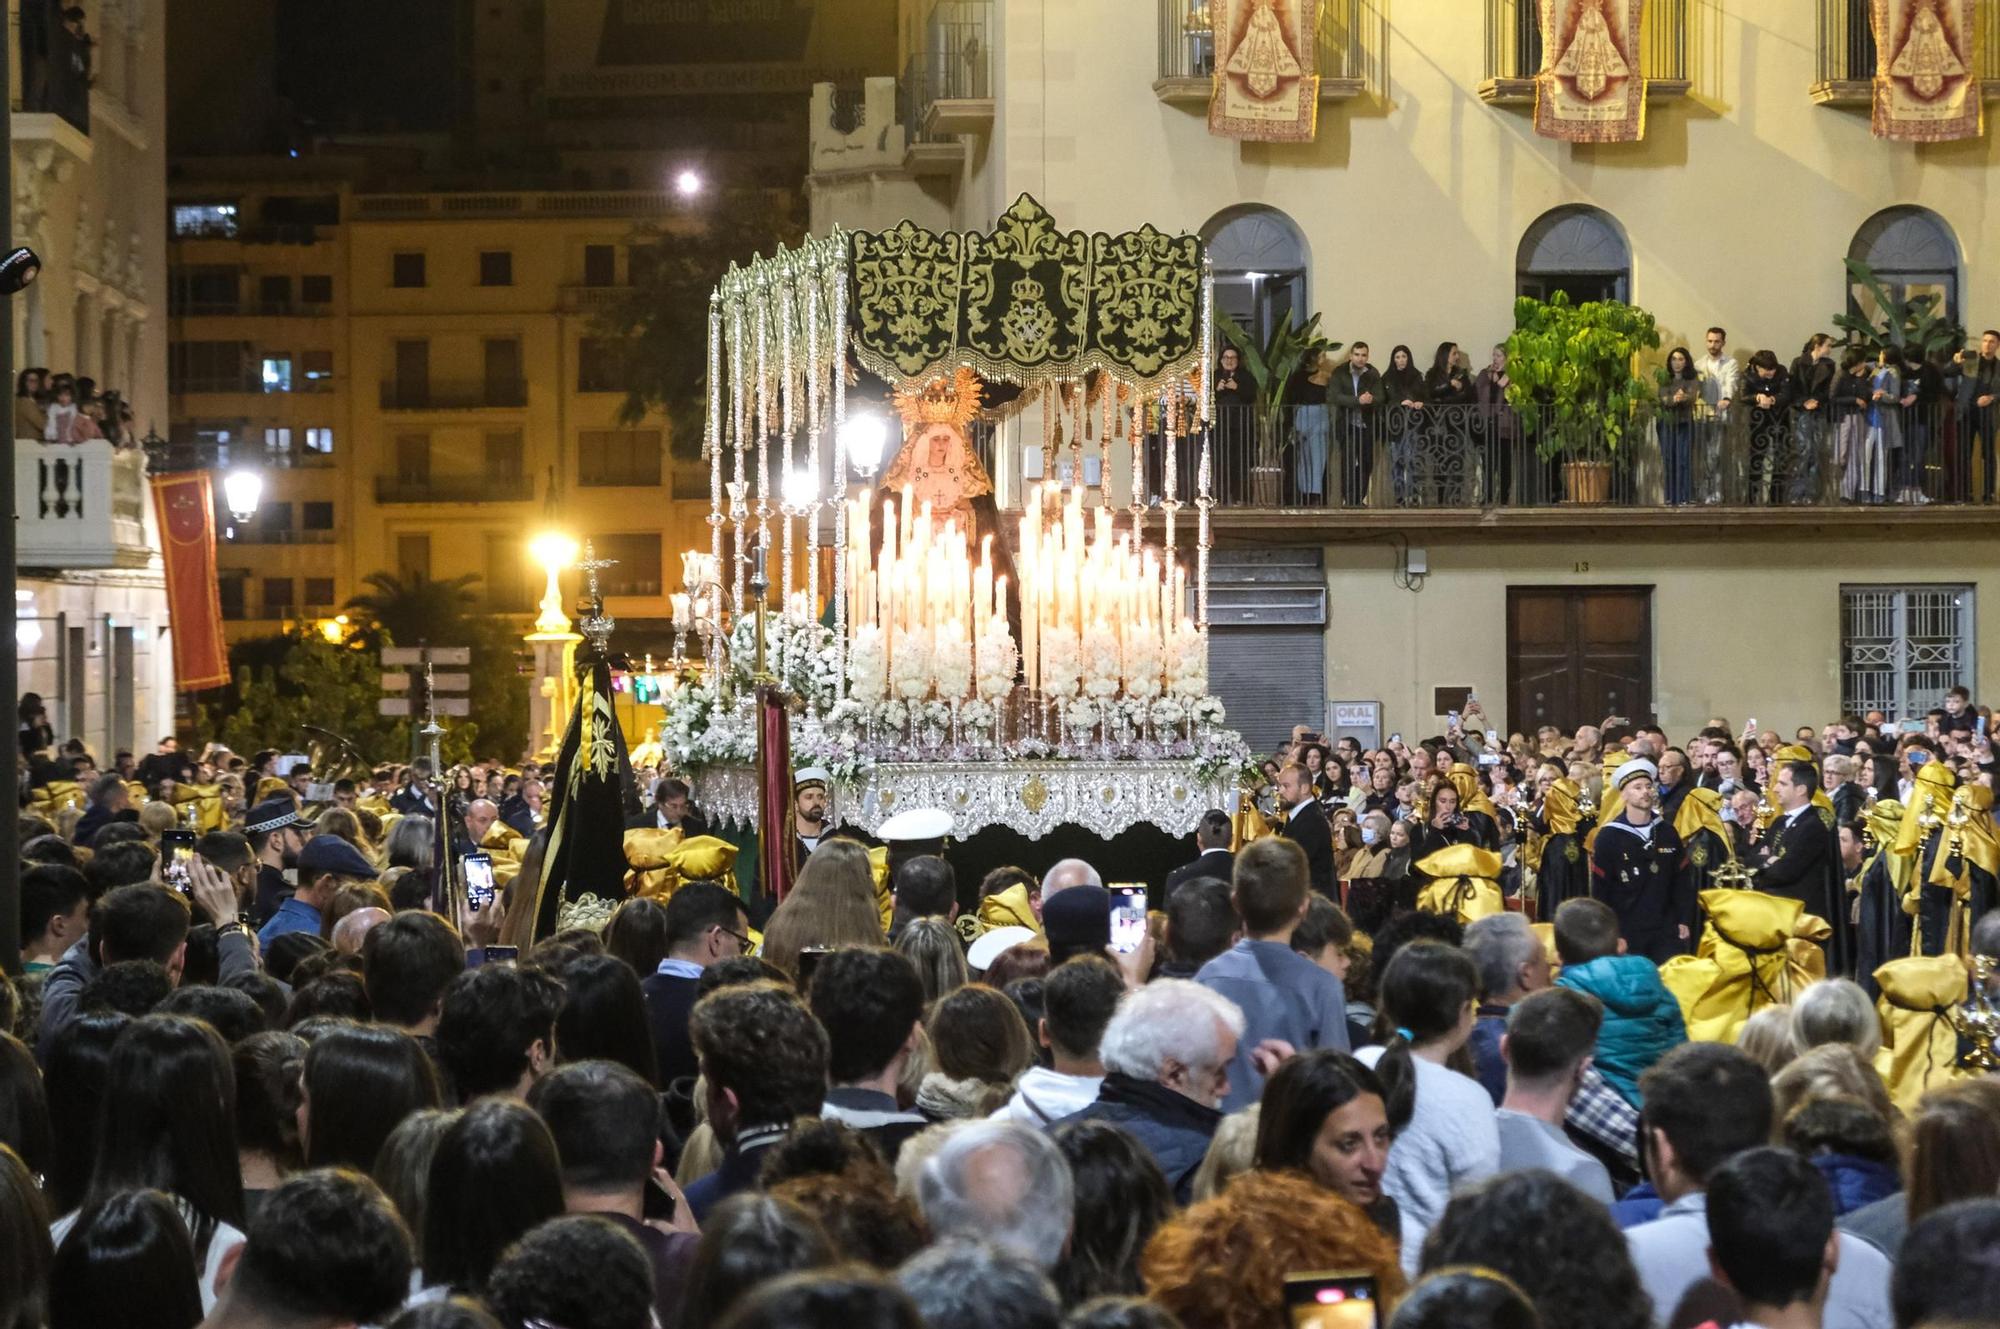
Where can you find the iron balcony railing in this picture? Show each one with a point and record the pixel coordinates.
(958, 48)
(1846, 43)
(453, 489)
(1514, 40)
(1491, 457)
(443, 395)
(1187, 39)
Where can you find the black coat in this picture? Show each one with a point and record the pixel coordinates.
(1645, 883)
(1345, 394)
(669, 1001)
(1217, 863)
(1793, 859)
(1309, 830)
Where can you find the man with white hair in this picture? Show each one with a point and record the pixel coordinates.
(1001, 1182)
(1166, 1056)
(353, 929)
(1067, 873)
(1512, 963)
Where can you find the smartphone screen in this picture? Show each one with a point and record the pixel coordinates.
(1332, 1301)
(176, 848)
(809, 959)
(477, 872)
(1128, 917)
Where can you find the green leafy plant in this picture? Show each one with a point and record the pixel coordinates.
(1573, 369)
(1272, 363)
(1916, 323)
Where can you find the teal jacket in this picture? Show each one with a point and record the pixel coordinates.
(1642, 1021)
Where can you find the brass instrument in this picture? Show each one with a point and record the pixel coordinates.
(1978, 1019)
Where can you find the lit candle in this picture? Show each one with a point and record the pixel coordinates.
(679, 600)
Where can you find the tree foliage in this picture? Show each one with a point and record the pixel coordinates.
(1272, 363)
(313, 681)
(1575, 368)
(660, 328)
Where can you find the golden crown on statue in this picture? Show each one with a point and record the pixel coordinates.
(952, 400)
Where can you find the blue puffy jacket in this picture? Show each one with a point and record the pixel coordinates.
(1642, 1021)
(1855, 1182)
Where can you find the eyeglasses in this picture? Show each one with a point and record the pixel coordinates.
(742, 942)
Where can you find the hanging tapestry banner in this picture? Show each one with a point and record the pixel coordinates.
(1026, 303)
(1590, 88)
(1926, 71)
(1266, 70)
(186, 510)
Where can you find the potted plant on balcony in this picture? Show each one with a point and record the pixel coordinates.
(1574, 372)
(1880, 322)
(1271, 366)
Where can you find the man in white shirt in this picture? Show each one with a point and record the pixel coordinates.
(1078, 999)
(1770, 1237)
(1719, 374)
(1550, 1039)
(1704, 1104)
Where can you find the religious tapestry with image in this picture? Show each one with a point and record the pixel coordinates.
(1266, 70)
(1591, 88)
(1927, 87)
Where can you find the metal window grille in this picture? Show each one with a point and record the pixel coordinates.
(1903, 647)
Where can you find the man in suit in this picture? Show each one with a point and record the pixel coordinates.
(414, 799)
(705, 925)
(672, 807)
(1356, 395)
(1306, 826)
(1211, 837)
(1794, 855)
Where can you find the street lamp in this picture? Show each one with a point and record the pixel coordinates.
(242, 491)
(554, 551)
(863, 437)
(688, 183)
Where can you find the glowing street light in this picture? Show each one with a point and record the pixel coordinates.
(800, 491)
(688, 183)
(863, 436)
(554, 551)
(242, 491)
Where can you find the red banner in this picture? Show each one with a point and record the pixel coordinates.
(186, 511)
(1927, 86)
(777, 838)
(1591, 89)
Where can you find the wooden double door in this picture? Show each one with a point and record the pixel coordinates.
(1578, 654)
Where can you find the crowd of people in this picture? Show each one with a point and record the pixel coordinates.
(261, 1072)
(1836, 423)
(63, 408)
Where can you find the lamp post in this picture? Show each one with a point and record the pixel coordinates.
(553, 640)
(242, 491)
(864, 436)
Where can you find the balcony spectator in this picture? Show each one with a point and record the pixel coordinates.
(1884, 436)
(1720, 377)
(1853, 391)
(1235, 427)
(1403, 387)
(1448, 384)
(30, 417)
(1771, 400)
(1979, 407)
(63, 423)
(1307, 394)
(1355, 392)
(1812, 377)
(1923, 408)
(1500, 426)
(1679, 395)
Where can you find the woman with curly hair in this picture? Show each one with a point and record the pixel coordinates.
(1556, 1243)
(1222, 1263)
(833, 905)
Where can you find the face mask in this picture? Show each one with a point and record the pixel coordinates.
(1368, 835)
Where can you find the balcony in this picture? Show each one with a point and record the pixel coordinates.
(1187, 52)
(957, 68)
(1472, 466)
(81, 506)
(1845, 69)
(453, 489)
(581, 299)
(467, 395)
(248, 309)
(1514, 51)
(925, 152)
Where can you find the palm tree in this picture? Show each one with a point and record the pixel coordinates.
(417, 609)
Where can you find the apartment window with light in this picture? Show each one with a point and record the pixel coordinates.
(316, 369)
(319, 440)
(607, 457)
(406, 270)
(277, 439)
(199, 221)
(496, 267)
(276, 374)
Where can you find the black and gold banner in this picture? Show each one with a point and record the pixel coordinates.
(1027, 303)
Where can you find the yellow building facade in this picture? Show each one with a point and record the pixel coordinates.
(1422, 207)
(418, 378)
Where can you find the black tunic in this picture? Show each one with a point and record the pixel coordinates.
(1638, 872)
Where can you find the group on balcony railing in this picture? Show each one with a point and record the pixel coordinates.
(56, 61)
(63, 408)
(1837, 425)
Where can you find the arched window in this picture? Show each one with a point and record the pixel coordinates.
(1578, 250)
(1912, 252)
(1260, 265)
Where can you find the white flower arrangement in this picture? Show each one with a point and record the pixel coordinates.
(952, 665)
(867, 655)
(1187, 665)
(1142, 666)
(1220, 753)
(1061, 658)
(978, 716)
(935, 714)
(892, 715)
(910, 666)
(1167, 712)
(1100, 661)
(998, 660)
(1207, 712)
(1080, 714)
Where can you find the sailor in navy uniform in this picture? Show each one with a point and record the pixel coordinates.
(1636, 868)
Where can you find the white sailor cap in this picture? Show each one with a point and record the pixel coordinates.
(916, 825)
(1632, 770)
(811, 775)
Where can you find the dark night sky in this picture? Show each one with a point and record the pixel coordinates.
(369, 64)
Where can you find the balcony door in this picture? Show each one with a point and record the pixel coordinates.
(1578, 654)
(503, 371)
(413, 371)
